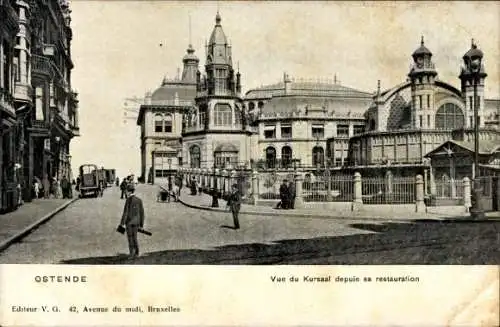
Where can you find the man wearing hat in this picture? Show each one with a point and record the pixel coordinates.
(234, 203)
(132, 219)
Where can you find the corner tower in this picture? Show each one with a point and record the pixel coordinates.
(473, 71)
(215, 133)
(422, 76)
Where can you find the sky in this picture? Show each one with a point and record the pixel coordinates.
(117, 54)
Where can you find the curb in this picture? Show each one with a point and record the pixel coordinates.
(314, 216)
(5, 244)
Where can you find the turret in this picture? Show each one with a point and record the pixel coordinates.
(473, 73)
(422, 76)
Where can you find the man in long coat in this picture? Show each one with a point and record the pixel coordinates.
(132, 219)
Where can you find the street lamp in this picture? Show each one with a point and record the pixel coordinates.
(169, 160)
(473, 63)
(215, 199)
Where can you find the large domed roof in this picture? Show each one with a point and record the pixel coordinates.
(172, 90)
(422, 50)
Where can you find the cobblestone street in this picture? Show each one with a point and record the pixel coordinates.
(84, 233)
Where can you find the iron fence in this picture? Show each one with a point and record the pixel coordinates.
(328, 188)
(449, 189)
(269, 184)
(383, 190)
(485, 185)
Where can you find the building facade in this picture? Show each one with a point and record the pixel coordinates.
(37, 70)
(9, 28)
(294, 119)
(216, 132)
(161, 119)
(412, 119)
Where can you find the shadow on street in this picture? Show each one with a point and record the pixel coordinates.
(417, 242)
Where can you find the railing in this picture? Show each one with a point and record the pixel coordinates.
(40, 124)
(41, 65)
(184, 103)
(388, 190)
(324, 188)
(269, 184)
(449, 189)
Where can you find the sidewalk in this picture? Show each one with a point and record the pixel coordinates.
(384, 212)
(16, 224)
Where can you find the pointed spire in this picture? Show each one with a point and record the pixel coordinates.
(378, 87)
(190, 30)
(218, 19)
(473, 44)
(178, 73)
(335, 78)
(422, 41)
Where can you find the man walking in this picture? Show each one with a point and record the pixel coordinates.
(64, 187)
(234, 203)
(123, 188)
(284, 195)
(132, 219)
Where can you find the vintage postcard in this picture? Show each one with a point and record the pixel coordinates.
(250, 163)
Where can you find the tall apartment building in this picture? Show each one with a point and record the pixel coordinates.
(36, 84)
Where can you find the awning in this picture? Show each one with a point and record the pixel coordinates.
(269, 128)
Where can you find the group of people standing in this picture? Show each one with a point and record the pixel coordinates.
(53, 188)
(287, 195)
(129, 180)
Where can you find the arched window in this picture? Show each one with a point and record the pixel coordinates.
(271, 157)
(167, 127)
(194, 154)
(372, 124)
(318, 155)
(158, 123)
(251, 106)
(449, 116)
(223, 115)
(260, 104)
(286, 156)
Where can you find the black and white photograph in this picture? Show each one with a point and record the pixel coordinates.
(249, 133)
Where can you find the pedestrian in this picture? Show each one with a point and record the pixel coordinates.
(123, 188)
(292, 194)
(64, 187)
(132, 219)
(234, 204)
(117, 181)
(36, 189)
(56, 188)
(284, 194)
(193, 186)
(175, 193)
(46, 187)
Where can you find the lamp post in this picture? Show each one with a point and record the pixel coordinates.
(169, 160)
(215, 198)
(473, 63)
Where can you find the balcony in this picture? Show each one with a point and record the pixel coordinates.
(41, 65)
(7, 102)
(23, 92)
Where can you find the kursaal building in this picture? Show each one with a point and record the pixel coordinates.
(204, 121)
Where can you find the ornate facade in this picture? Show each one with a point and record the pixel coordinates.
(37, 71)
(412, 119)
(216, 132)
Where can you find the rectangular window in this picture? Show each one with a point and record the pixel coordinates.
(471, 120)
(342, 130)
(202, 119)
(158, 126)
(286, 132)
(428, 101)
(338, 162)
(429, 121)
(420, 101)
(358, 129)
(270, 132)
(420, 120)
(318, 131)
(470, 104)
(168, 126)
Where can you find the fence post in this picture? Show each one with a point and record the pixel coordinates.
(467, 194)
(357, 201)
(255, 188)
(419, 201)
(225, 175)
(432, 182)
(299, 200)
